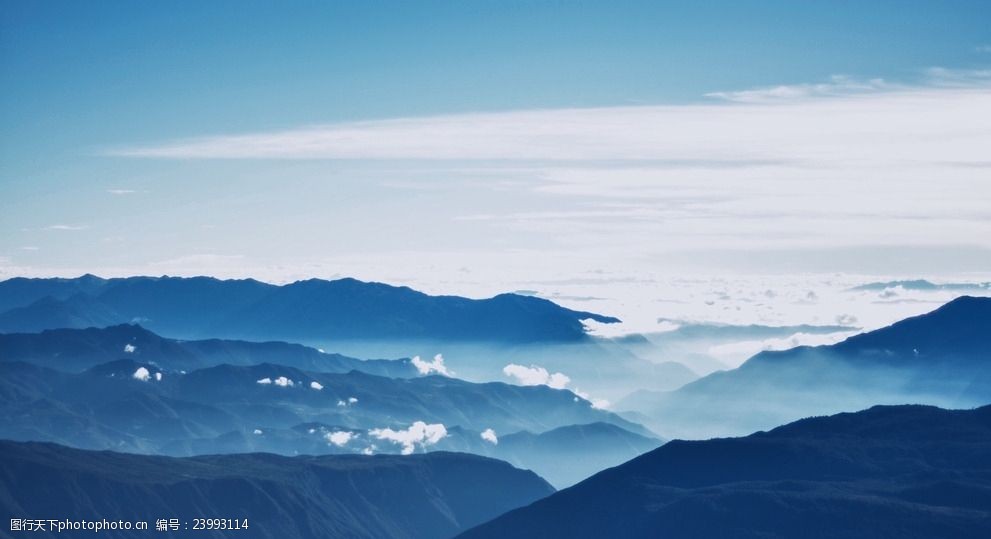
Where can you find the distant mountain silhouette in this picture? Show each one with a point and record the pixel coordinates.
(416, 496)
(891, 471)
(941, 358)
(566, 455)
(76, 350)
(343, 309)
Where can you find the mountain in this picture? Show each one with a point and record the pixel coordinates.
(315, 309)
(568, 454)
(417, 496)
(890, 471)
(941, 358)
(139, 407)
(76, 350)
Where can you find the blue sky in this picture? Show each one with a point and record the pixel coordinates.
(79, 75)
(478, 146)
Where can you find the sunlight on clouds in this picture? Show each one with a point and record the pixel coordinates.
(142, 374)
(339, 438)
(418, 434)
(535, 375)
(428, 367)
(489, 435)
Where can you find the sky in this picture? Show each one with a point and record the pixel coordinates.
(627, 152)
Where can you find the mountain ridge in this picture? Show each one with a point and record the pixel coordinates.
(905, 471)
(192, 307)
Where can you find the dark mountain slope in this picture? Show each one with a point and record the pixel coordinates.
(74, 350)
(890, 471)
(305, 310)
(430, 496)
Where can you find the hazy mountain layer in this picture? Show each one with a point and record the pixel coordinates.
(941, 358)
(76, 350)
(138, 407)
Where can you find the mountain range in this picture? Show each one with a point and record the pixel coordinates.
(941, 358)
(890, 471)
(315, 309)
(76, 350)
(416, 496)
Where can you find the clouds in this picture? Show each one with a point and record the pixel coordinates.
(280, 381)
(316, 385)
(142, 374)
(838, 85)
(65, 227)
(418, 434)
(845, 163)
(811, 129)
(339, 438)
(736, 352)
(351, 401)
(535, 375)
(129, 348)
(489, 435)
(427, 367)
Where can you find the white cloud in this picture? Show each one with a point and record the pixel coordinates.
(838, 119)
(282, 381)
(352, 400)
(142, 374)
(598, 404)
(65, 227)
(265, 380)
(535, 375)
(121, 191)
(736, 352)
(316, 385)
(489, 435)
(258, 431)
(129, 348)
(418, 434)
(349, 402)
(370, 450)
(339, 438)
(158, 377)
(30, 248)
(838, 85)
(427, 367)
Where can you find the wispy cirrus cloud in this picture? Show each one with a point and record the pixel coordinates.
(66, 227)
(837, 85)
(841, 120)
